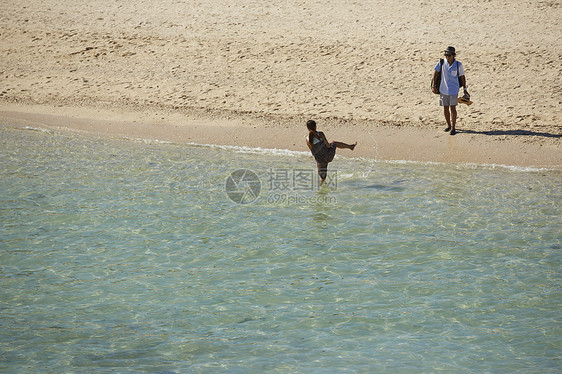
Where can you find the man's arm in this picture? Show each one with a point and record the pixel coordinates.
(308, 143)
(463, 84)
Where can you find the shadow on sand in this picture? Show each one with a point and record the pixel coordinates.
(512, 132)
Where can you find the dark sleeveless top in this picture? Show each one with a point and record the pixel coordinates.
(321, 153)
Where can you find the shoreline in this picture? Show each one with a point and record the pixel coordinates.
(252, 75)
(380, 142)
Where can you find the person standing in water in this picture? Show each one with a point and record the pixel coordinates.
(322, 150)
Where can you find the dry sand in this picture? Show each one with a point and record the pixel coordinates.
(250, 73)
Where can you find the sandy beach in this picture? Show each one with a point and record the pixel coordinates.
(250, 74)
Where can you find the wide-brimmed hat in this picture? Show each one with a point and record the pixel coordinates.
(451, 50)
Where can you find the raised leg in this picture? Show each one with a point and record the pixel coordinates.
(344, 145)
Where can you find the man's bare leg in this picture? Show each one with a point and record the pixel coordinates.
(453, 119)
(447, 117)
(344, 145)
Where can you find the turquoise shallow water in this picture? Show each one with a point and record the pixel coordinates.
(124, 256)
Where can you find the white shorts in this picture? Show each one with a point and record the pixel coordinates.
(448, 100)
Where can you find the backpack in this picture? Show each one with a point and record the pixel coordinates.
(437, 83)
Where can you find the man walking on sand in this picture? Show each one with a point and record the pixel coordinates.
(452, 78)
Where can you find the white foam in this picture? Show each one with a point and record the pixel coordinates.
(290, 153)
(253, 150)
(148, 141)
(39, 129)
(468, 165)
(520, 169)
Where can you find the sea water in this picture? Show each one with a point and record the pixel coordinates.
(132, 256)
